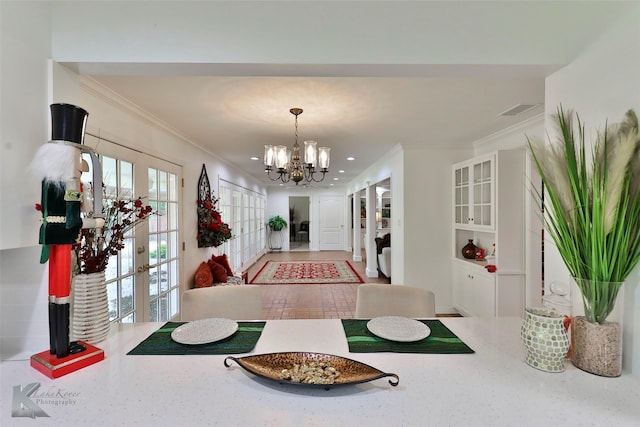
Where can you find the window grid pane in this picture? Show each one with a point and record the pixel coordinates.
(163, 244)
(154, 282)
(243, 210)
(125, 258)
(125, 184)
(163, 185)
(174, 302)
(127, 293)
(152, 187)
(173, 188)
(153, 249)
(112, 297)
(153, 219)
(118, 178)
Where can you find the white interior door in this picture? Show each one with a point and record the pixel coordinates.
(331, 223)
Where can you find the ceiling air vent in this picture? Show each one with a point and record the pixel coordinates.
(518, 109)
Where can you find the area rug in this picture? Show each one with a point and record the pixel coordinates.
(306, 273)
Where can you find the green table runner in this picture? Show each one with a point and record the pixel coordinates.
(440, 341)
(160, 342)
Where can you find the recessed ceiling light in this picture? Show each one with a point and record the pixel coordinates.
(340, 171)
(335, 179)
(255, 158)
(331, 185)
(351, 158)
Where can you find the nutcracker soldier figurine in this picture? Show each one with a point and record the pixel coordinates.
(59, 164)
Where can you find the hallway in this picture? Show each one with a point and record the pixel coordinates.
(330, 301)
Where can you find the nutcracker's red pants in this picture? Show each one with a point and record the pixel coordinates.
(59, 290)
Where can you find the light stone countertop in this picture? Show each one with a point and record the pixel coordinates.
(493, 387)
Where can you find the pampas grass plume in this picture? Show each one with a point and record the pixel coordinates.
(553, 160)
(620, 156)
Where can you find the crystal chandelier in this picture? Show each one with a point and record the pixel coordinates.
(289, 166)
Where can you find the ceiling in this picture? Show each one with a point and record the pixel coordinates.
(362, 117)
(361, 110)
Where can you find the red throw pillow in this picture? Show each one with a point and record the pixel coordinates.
(204, 278)
(218, 271)
(223, 261)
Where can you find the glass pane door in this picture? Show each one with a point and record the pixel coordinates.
(461, 196)
(143, 277)
(163, 262)
(120, 274)
(482, 197)
(243, 210)
(236, 251)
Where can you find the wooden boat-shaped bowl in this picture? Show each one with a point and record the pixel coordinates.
(270, 366)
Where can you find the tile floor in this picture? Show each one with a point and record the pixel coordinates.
(329, 301)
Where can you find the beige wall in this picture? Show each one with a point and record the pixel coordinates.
(25, 49)
(426, 259)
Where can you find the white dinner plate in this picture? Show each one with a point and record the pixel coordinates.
(204, 331)
(396, 328)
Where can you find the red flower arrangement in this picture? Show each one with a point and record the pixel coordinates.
(212, 231)
(96, 244)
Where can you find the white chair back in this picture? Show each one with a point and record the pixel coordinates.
(374, 300)
(241, 302)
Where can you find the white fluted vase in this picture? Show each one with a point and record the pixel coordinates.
(90, 308)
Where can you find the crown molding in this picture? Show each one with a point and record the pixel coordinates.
(536, 120)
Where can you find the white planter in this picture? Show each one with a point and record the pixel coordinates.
(89, 308)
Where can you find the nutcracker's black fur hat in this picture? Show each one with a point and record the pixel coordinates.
(68, 123)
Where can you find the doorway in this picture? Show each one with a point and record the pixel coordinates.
(299, 223)
(331, 218)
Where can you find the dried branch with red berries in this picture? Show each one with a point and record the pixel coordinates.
(212, 231)
(97, 244)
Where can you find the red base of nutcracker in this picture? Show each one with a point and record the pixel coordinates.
(53, 367)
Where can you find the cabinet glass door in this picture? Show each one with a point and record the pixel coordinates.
(462, 195)
(482, 194)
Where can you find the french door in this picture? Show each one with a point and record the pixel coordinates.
(143, 278)
(243, 210)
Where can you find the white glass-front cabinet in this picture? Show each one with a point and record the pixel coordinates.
(473, 193)
(489, 202)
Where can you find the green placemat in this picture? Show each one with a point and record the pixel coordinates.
(160, 342)
(440, 341)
